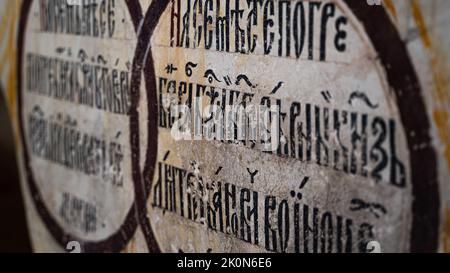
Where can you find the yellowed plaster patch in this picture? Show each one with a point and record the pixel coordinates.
(391, 8)
(438, 64)
(8, 59)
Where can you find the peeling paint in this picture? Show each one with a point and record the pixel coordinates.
(209, 153)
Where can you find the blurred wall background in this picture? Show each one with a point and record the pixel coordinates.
(13, 229)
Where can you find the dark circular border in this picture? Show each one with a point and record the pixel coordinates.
(402, 79)
(115, 242)
(143, 60)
